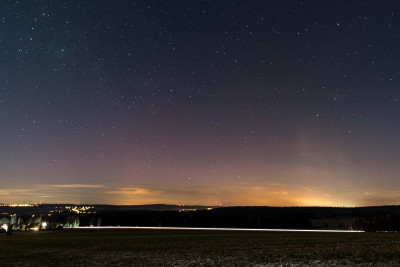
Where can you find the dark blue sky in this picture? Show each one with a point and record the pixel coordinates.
(183, 102)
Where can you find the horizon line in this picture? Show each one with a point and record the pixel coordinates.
(183, 205)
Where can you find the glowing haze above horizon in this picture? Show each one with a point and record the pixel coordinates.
(200, 102)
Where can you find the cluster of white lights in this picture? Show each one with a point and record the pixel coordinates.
(75, 209)
(16, 205)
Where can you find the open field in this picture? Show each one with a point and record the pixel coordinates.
(197, 248)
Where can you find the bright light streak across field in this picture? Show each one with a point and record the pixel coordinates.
(211, 229)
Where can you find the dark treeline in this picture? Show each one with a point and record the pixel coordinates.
(384, 218)
(381, 223)
(221, 217)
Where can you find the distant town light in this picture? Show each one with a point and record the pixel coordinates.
(16, 205)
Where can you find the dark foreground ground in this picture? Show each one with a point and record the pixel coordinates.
(198, 248)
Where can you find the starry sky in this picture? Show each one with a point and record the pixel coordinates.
(200, 102)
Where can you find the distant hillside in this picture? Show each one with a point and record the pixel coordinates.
(43, 208)
(380, 218)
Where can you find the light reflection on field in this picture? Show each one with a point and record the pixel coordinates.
(208, 229)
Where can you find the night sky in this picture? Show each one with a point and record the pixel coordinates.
(200, 102)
